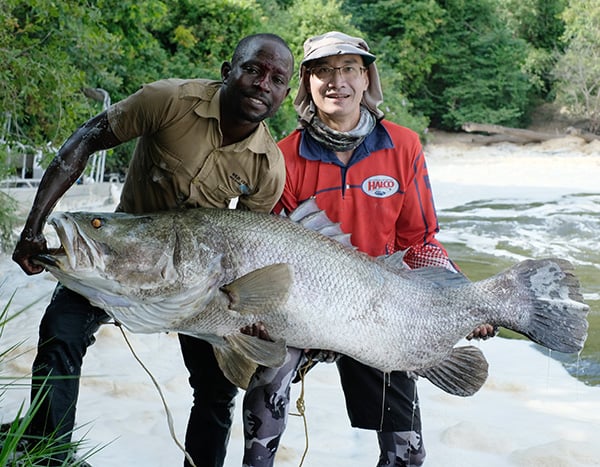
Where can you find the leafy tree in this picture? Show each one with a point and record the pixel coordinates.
(396, 106)
(477, 75)
(403, 34)
(40, 43)
(140, 57)
(578, 70)
(201, 35)
(540, 24)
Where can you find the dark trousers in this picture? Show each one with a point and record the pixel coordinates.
(67, 330)
(211, 415)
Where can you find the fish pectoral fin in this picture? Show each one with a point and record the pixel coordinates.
(236, 368)
(263, 352)
(461, 374)
(261, 290)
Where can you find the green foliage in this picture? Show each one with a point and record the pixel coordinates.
(312, 17)
(403, 35)
(396, 106)
(578, 69)
(536, 21)
(8, 220)
(477, 75)
(39, 42)
(137, 56)
(539, 23)
(16, 447)
(200, 36)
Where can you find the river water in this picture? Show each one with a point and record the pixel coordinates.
(501, 204)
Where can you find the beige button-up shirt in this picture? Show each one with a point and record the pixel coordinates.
(179, 161)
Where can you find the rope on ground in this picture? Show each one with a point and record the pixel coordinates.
(160, 393)
(300, 405)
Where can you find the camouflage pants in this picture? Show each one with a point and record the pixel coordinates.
(265, 410)
(265, 413)
(401, 449)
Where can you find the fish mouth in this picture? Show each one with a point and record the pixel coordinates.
(76, 252)
(51, 258)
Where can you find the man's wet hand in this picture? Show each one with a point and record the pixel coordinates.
(484, 331)
(324, 356)
(257, 330)
(27, 248)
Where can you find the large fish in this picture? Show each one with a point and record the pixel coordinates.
(210, 272)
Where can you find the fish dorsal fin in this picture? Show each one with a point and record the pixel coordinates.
(395, 261)
(439, 276)
(304, 209)
(309, 215)
(241, 355)
(261, 290)
(461, 374)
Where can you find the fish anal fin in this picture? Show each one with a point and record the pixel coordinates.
(261, 290)
(463, 373)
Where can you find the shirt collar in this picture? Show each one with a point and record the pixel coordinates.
(378, 139)
(208, 94)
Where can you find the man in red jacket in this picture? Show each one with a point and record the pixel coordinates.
(370, 175)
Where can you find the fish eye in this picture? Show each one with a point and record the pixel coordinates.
(97, 222)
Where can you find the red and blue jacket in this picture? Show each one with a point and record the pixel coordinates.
(382, 196)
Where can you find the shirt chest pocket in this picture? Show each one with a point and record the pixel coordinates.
(166, 162)
(222, 178)
(165, 171)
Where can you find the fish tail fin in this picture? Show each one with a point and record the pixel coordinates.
(547, 302)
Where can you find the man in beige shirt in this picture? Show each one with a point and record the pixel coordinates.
(200, 143)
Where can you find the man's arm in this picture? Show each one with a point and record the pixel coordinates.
(63, 171)
(417, 224)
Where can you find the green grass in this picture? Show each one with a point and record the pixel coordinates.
(13, 441)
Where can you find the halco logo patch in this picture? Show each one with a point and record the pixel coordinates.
(380, 186)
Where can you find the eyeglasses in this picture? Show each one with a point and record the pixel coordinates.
(325, 72)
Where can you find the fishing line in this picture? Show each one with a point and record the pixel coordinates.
(160, 393)
(415, 404)
(386, 378)
(548, 372)
(301, 407)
